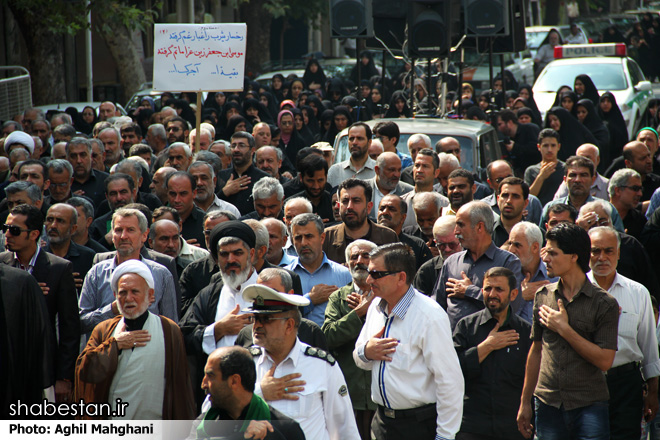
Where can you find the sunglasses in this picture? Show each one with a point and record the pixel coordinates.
(635, 188)
(378, 274)
(14, 230)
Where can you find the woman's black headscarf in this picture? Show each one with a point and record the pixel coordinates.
(264, 115)
(531, 104)
(277, 92)
(305, 133)
(233, 122)
(334, 131)
(318, 77)
(616, 125)
(572, 134)
(596, 126)
(399, 95)
(326, 115)
(315, 102)
(590, 90)
(312, 121)
(187, 112)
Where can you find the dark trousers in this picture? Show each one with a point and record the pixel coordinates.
(418, 424)
(626, 404)
(472, 436)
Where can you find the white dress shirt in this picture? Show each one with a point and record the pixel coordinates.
(226, 303)
(221, 205)
(323, 409)
(424, 369)
(637, 341)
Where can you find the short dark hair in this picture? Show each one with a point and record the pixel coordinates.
(239, 361)
(558, 208)
(503, 272)
(507, 115)
(579, 162)
(389, 129)
(119, 176)
(516, 181)
(397, 257)
(183, 122)
(311, 164)
(44, 170)
(461, 172)
(548, 133)
(244, 135)
(572, 239)
(163, 209)
(186, 174)
(432, 154)
(34, 219)
(131, 127)
(352, 183)
(367, 129)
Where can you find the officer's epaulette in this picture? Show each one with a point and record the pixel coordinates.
(255, 350)
(321, 354)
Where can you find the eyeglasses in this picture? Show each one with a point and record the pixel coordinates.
(378, 274)
(266, 319)
(635, 188)
(500, 179)
(450, 244)
(14, 230)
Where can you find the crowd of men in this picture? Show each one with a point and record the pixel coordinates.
(388, 296)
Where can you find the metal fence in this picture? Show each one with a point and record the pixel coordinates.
(15, 91)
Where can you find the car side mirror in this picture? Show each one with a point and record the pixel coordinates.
(644, 86)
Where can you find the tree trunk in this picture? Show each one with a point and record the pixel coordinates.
(45, 52)
(125, 55)
(258, 22)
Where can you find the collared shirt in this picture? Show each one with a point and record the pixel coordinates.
(500, 234)
(534, 207)
(30, 266)
(228, 300)
(617, 223)
(565, 377)
(188, 253)
(424, 368)
(242, 200)
(653, 204)
(336, 239)
(323, 409)
(286, 259)
(637, 341)
(493, 386)
(527, 310)
(221, 205)
(598, 189)
(193, 227)
(94, 186)
(475, 270)
(346, 170)
(330, 273)
(96, 296)
(406, 160)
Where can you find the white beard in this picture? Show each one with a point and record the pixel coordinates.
(234, 280)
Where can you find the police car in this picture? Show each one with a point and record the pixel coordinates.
(610, 70)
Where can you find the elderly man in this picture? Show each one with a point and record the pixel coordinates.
(392, 214)
(206, 180)
(277, 238)
(269, 160)
(156, 138)
(322, 407)
(492, 348)
(427, 207)
(449, 145)
(129, 233)
(354, 206)
(637, 341)
(179, 156)
(237, 182)
(181, 192)
(222, 149)
(387, 180)
(61, 223)
(157, 185)
(360, 165)
(55, 277)
(446, 244)
(113, 153)
(375, 149)
(525, 242)
(164, 237)
(111, 367)
(268, 197)
(625, 189)
(458, 288)
(406, 339)
(499, 170)
(262, 135)
(344, 318)
(107, 110)
(205, 139)
(319, 275)
(60, 175)
(599, 187)
(229, 383)
(568, 386)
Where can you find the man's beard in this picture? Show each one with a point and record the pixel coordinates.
(359, 273)
(234, 280)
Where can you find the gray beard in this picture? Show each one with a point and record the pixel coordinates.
(234, 280)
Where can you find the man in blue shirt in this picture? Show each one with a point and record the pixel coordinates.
(319, 275)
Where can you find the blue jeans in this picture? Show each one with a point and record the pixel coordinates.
(587, 423)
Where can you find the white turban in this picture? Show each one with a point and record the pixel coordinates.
(132, 266)
(19, 137)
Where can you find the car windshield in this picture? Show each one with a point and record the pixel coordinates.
(604, 76)
(343, 152)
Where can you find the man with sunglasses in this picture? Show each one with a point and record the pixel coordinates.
(55, 277)
(319, 400)
(406, 339)
(625, 189)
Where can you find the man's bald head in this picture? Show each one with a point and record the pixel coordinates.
(590, 151)
(449, 145)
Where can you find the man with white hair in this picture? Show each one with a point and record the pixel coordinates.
(375, 149)
(387, 179)
(446, 244)
(625, 189)
(427, 207)
(268, 196)
(111, 367)
(204, 140)
(269, 160)
(179, 156)
(223, 150)
(156, 138)
(525, 242)
(165, 237)
(111, 144)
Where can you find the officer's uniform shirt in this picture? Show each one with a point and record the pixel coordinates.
(324, 409)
